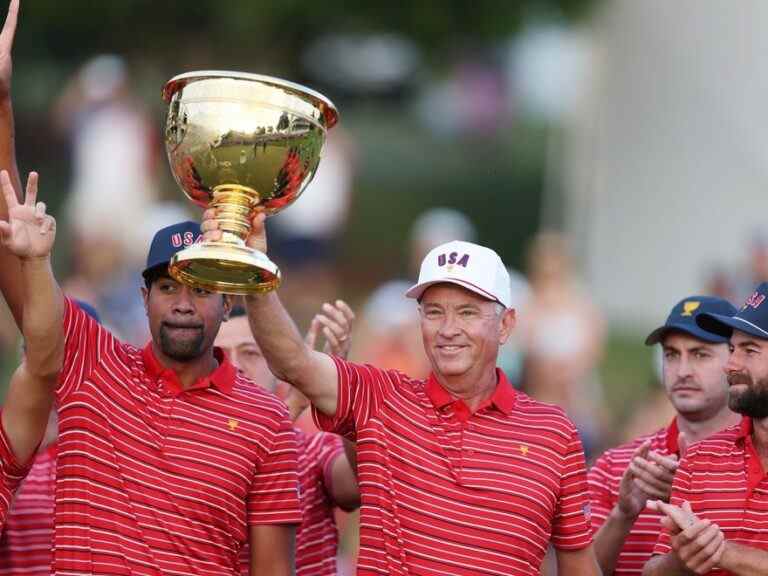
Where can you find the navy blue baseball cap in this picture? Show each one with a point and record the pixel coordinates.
(752, 318)
(684, 318)
(167, 242)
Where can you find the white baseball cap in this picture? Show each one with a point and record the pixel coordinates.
(468, 265)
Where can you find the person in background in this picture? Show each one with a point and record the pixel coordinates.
(326, 469)
(27, 540)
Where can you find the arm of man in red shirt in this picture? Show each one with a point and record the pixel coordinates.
(289, 358)
(273, 549)
(10, 273)
(582, 562)
(29, 235)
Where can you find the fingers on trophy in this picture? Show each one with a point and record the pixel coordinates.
(239, 143)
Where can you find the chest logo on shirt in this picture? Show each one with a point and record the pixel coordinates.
(523, 449)
(232, 424)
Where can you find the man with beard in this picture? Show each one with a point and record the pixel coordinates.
(169, 458)
(717, 519)
(624, 478)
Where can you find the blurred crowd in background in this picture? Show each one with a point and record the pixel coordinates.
(452, 124)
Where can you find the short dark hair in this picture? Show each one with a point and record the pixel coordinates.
(153, 274)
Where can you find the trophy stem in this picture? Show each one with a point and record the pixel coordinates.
(234, 205)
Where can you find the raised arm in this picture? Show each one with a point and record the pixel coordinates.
(10, 273)
(29, 234)
(288, 356)
(335, 323)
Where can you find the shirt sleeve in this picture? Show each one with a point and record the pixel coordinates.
(274, 494)
(602, 499)
(362, 389)
(11, 474)
(570, 525)
(332, 448)
(680, 491)
(84, 342)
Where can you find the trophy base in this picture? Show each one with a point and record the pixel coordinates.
(225, 268)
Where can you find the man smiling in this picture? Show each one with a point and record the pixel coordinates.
(459, 473)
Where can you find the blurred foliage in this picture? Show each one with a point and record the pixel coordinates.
(267, 32)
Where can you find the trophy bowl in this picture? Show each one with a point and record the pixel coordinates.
(235, 142)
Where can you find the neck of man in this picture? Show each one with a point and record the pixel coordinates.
(190, 371)
(697, 430)
(472, 389)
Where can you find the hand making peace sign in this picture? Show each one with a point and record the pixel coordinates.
(29, 232)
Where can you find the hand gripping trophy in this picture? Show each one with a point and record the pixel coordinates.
(236, 141)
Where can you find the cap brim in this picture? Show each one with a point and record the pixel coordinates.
(417, 290)
(725, 325)
(658, 335)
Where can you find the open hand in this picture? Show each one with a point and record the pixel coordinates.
(335, 322)
(29, 232)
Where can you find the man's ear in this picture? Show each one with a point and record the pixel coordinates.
(145, 298)
(507, 324)
(227, 304)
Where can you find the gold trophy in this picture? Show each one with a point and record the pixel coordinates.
(236, 141)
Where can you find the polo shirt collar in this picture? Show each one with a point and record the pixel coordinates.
(673, 432)
(755, 471)
(223, 377)
(745, 428)
(503, 397)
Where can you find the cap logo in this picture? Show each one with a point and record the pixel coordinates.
(187, 239)
(754, 301)
(451, 259)
(689, 307)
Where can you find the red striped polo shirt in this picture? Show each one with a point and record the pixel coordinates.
(723, 479)
(604, 478)
(25, 547)
(155, 479)
(316, 537)
(446, 491)
(11, 474)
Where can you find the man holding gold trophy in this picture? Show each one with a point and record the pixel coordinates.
(170, 459)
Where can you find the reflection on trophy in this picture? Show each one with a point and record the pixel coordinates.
(236, 141)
